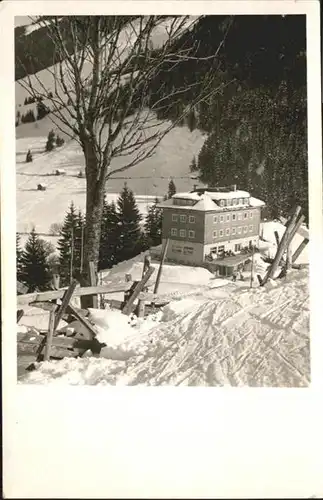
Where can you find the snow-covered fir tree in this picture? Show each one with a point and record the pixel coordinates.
(34, 268)
(70, 245)
(130, 237)
(171, 188)
(153, 224)
(109, 236)
(19, 254)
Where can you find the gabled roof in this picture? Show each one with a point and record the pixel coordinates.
(206, 202)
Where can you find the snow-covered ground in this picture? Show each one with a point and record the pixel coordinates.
(269, 245)
(255, 337)
(147, 180)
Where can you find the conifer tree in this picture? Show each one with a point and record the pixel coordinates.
(59, 141)
(129, 231)
(42, 110)
(70, 245)
(50, 144)
(193, 165)
(109, 246)
(34, 268)
(191, 120)
(19, 253)
(29, 157)
(153, 224)
(171, 188)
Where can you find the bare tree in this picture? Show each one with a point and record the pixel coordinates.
(99, 93)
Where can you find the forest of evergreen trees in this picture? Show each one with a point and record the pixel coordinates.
(124, 235)
(256, 124)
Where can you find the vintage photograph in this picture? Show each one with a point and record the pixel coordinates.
(162, 200)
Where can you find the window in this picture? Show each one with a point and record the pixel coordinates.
(245, 215)
(191, 219)
(214, 250)
(191, 234)
(221, 249)
(240, 201)
(221, 218)
(215, 219)
(182, 218)
(228, 217)
(234, 216)
(239, 230)
(173, 231)
(221, 203)
(221, 233)
(182, 233)
(227, 231)
(188, 250)
(250, 228)
(176, 249)
(229, 203)
(215, 234)
(233, 231)
(245, 229)
(250, 215)
(240, 216)
(174, 217)
(246, 201)
(237, 247)
(234, 201)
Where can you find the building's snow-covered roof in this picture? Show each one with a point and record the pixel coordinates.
(187, 196)
(227, 195)
(205, 203)
(255, 202)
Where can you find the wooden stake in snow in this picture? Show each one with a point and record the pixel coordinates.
(147, 262)
(283, 244)
(50, 334)
(277, 237)
(93, 282)
(299, 250)
(65, 301)
(161, 266)
(139, 287)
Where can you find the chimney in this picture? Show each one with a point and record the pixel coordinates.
(234, 187)
(194, 187)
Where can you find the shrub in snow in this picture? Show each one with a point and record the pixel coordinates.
(59, 141)
(50, 144)
(29, 156)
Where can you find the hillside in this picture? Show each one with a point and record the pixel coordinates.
(247, 337)
(149, 178)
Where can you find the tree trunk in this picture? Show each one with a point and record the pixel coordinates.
(95, 189)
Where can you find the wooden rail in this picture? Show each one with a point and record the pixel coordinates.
(78, 292)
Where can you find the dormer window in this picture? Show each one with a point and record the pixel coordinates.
(229, 203)
(221, 203)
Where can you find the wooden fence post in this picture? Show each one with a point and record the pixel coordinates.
(282, 247)
(161, 266)
(139, 287)
(93, 282)
(50, 335)
(65, 301)
(299, 250)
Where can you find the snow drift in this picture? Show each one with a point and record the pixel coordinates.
(252, 337)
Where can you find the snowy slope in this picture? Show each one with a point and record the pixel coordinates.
(254, 337)
(267, 231)
(150, 178)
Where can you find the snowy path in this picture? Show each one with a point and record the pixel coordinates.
(257, 337)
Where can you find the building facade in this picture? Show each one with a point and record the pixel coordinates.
(205, 224)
